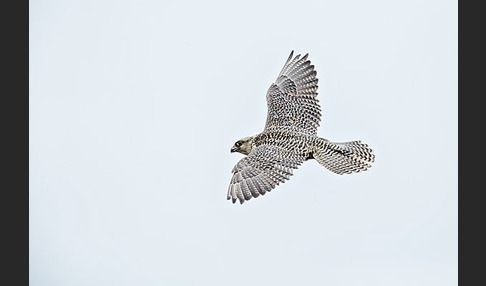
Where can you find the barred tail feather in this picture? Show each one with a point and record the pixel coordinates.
(344, 158)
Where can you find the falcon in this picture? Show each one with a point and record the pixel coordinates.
(290, 137)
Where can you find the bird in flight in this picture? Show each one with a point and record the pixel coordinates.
(290, 137)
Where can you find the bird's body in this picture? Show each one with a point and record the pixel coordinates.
(290, 137)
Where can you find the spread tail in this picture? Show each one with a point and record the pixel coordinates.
(344, 158)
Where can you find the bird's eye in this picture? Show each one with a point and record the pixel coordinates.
(238, 144)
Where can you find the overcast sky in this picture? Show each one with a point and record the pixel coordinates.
(134, 106)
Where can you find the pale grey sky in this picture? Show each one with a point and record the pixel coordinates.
(134, 106)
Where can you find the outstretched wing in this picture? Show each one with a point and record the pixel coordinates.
(291, 100)
(261, 171)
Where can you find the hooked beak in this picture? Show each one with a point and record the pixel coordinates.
(233, 149)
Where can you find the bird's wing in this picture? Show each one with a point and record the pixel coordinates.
(292, 100)
(261, 171)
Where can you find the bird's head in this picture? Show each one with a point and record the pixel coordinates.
(244, 146)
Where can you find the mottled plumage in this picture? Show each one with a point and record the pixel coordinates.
(290, 137)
